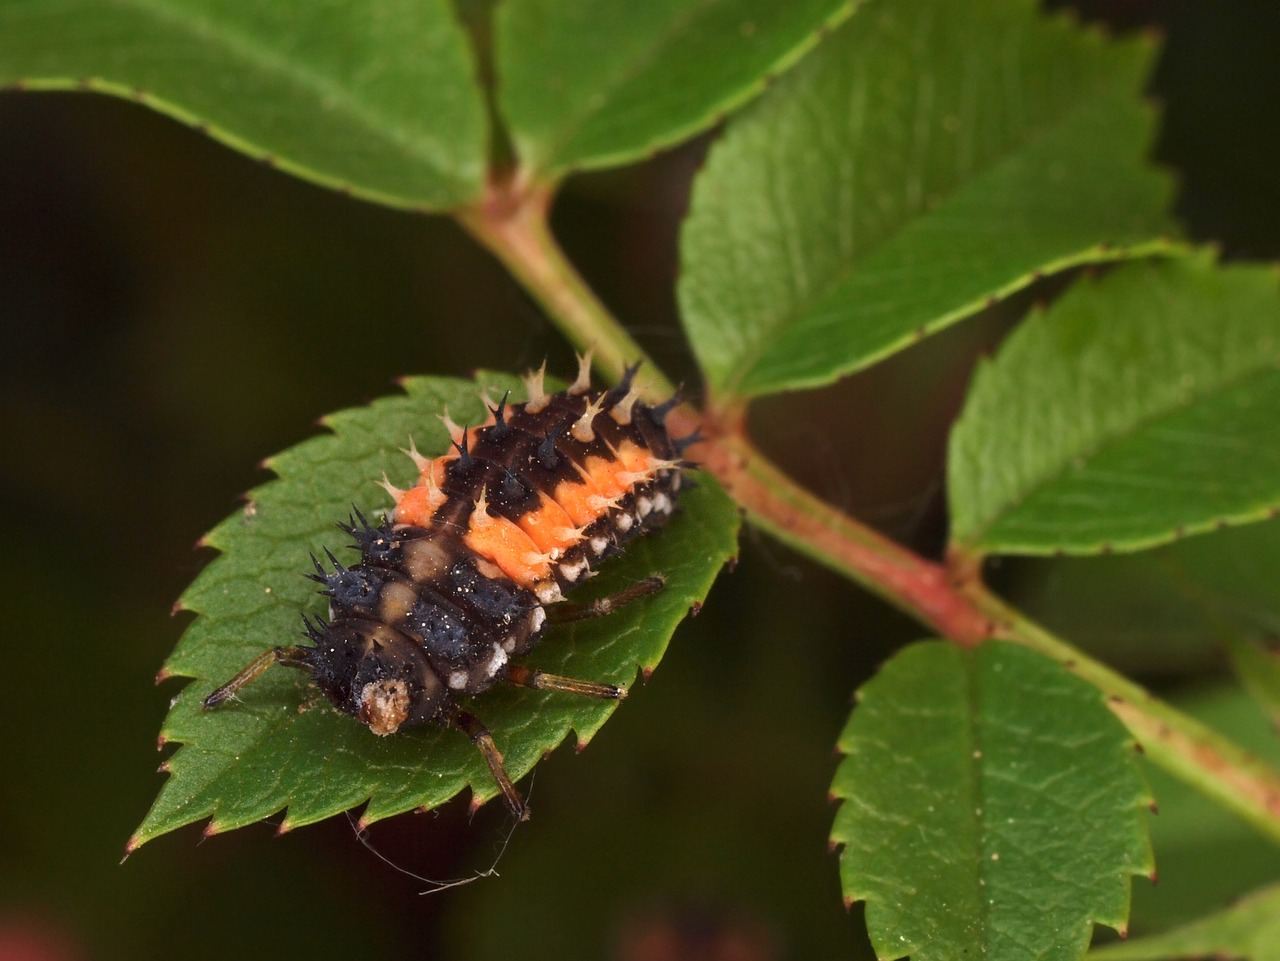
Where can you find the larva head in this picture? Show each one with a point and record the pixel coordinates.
(376, 673)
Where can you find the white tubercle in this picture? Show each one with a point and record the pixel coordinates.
(549, 593)
(497, 662)
(455, 432)
(621, 411)
(395, 492)
(419, 461)
(568, 534)
(533, 387)
(435, 496)
(571, 572)
(583, 383)
(581, 429)
(480, 515)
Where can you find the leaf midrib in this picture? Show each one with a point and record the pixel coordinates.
(979, 800)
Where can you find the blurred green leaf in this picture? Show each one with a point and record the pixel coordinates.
(1249, 929)
(586, 83)
(926, 158)
(1142, 406)
(378, 98)
(282, 744)
(1258, 668)
(991, 807)
(1167, 609)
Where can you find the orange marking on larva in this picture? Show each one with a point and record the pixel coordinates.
(575, 499)
(636, 459)
(504, 543)
(629, 465)
(548, 526)
(430, 478)
(603, 473)
(415, 507)
(433, 474)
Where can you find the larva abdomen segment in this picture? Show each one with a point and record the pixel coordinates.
(546, 494)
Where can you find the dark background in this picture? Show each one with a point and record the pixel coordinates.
(171, 313)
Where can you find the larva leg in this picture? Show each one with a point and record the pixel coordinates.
(483, 740)
(568, 611)
(541, 681)
(289, 656)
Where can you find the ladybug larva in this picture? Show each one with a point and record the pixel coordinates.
(473, 562)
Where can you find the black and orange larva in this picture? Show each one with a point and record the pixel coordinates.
(455, 584)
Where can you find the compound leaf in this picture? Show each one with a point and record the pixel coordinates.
(1249, 929)
(1106, 421)
(586, 83)
(991, 807)
(281, 744)
(926, 158)
(377, 97)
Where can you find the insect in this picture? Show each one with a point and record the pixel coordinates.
(472, 563)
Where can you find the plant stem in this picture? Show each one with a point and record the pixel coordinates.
(511, 221)
(777, 504)
(951, 599)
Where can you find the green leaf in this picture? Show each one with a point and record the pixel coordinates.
(1249, 929)
(991, 809)
(585, 83)
(377, 97)
(926, 158)
(1258, 667)
(282, 744)
(1166, 609)
(1141, 406)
